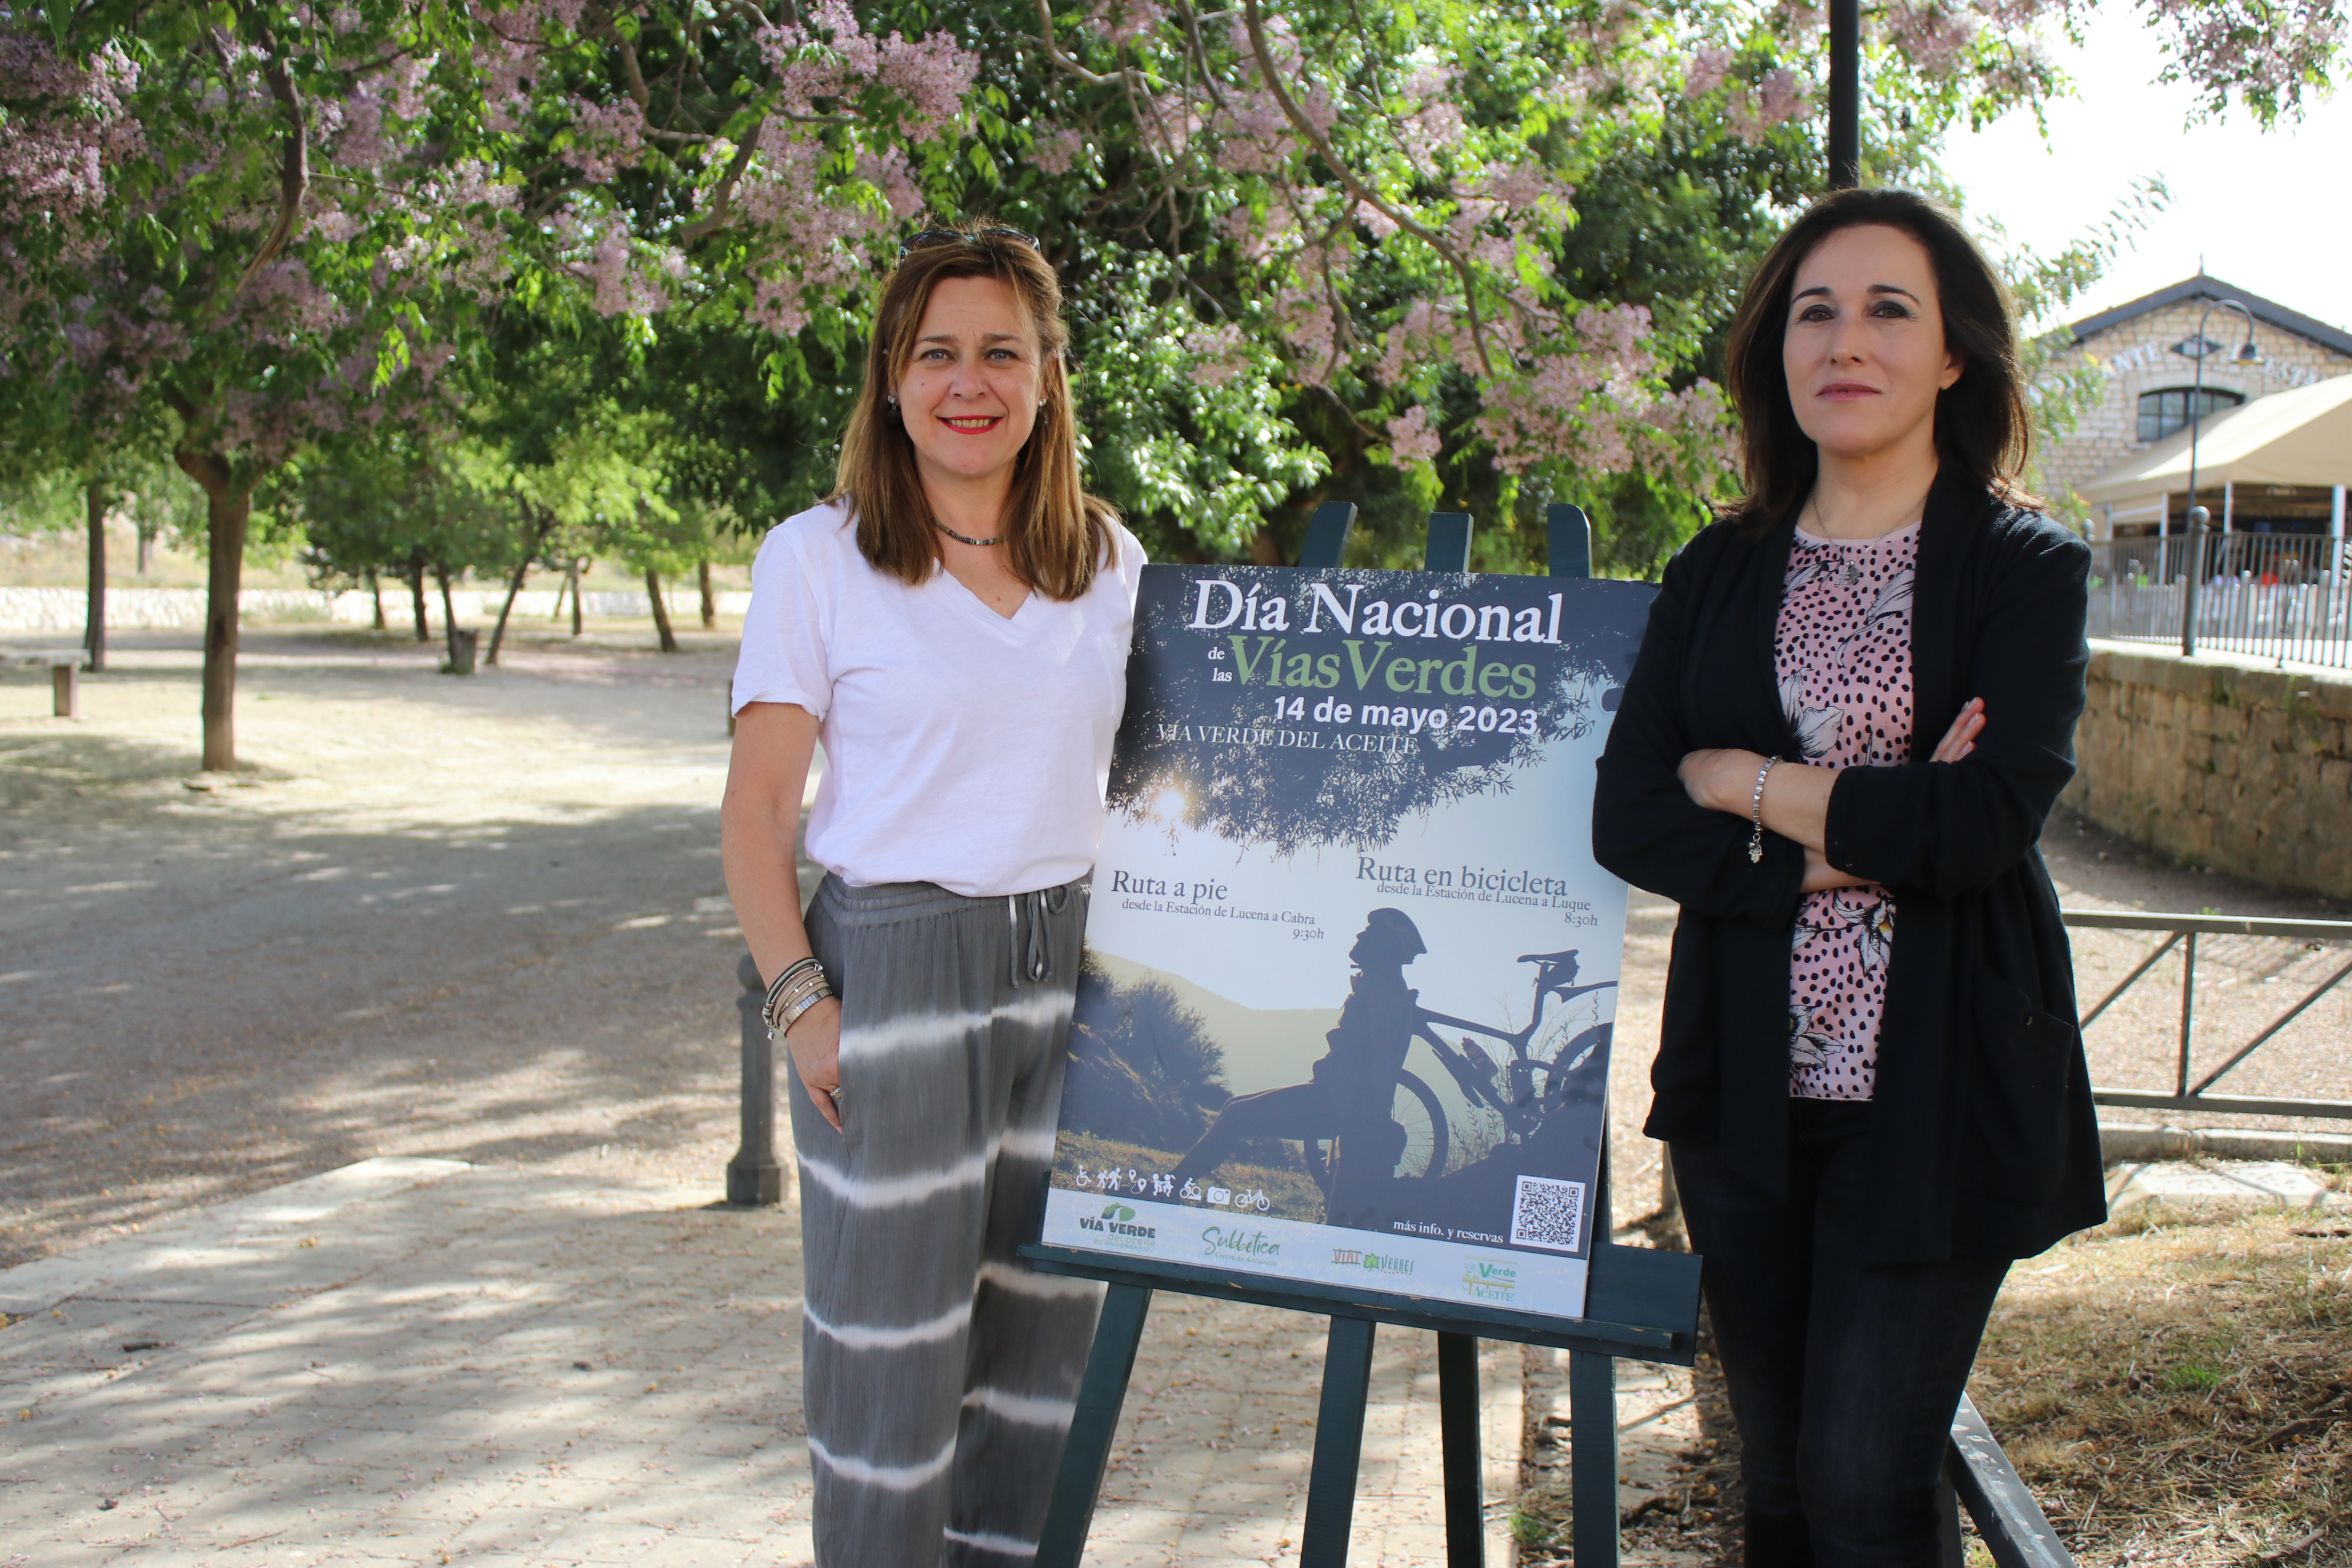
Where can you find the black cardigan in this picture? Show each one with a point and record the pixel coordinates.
(1983, 1141)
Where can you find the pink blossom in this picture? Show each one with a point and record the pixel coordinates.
(1934, 36)
(776, 305)
(1411, 438)
(1707, 69)
(1058, 151)
(363, 144)
(886, 172)
(1120, 22)
(1774, 100)
(604, 137)
(1219, 352)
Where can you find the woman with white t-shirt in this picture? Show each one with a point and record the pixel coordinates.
(953, 624)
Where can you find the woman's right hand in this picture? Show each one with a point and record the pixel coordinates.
(814, 1041)
(1962, 738)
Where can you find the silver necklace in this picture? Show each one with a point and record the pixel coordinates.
(965, 538)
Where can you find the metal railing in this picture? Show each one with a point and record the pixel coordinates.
(2275, 595)
(2182, 932)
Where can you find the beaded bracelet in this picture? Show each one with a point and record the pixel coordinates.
(1756, 813)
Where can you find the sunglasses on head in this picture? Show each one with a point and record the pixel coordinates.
(930, 237)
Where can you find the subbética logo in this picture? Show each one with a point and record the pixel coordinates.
(1375, 1262)
(1484, 1280)
(1218, 1242)
(1117, 1226)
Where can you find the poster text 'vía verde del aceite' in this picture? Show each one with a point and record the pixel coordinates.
(1350, 978)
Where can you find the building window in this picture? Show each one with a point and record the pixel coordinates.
(2162, 412)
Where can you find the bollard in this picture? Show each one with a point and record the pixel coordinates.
(65, 689)
(754, 1179)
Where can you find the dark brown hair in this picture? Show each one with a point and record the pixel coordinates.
(1982, 426)
(1055, 535)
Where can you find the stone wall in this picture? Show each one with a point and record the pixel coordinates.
(2221, 764)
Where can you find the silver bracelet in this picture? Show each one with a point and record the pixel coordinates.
(800, 1003)
(1756, 813)
(794, 977)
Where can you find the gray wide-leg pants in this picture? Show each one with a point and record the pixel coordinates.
(940, 1371)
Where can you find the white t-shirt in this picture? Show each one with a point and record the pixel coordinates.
(961, 748)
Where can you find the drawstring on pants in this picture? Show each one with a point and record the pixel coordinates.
(1032, 948)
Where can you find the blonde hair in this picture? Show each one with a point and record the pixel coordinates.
(1056, 534)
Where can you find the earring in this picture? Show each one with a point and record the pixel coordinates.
(891, 398)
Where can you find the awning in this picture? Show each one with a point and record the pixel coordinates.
(2299, 437)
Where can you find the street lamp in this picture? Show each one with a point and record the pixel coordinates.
(1846, 94)
(2198, 515)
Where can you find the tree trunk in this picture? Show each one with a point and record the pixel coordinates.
(228, 510)
(538, 534)
(569, 572)
(375, 592)
(449, 615)
(94, 638)
(578, 566)
(709, 600)
(661, 611)
(415, 574)
(146, 546)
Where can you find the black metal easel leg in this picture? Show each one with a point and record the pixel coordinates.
(1457, 1421)
(1592, 1457)
(1071, 1514)
(1338, 1444)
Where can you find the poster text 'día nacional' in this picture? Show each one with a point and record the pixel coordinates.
(1351, 979)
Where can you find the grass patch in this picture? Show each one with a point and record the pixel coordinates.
(2176, 1389)
(2181, 1393)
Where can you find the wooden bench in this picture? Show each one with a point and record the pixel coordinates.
(65, 678)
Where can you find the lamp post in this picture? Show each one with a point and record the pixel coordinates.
(1846, 94)
(2198, 515)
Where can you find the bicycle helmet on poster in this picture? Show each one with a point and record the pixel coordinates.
(1394, 933)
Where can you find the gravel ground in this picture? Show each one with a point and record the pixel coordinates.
(484, 918)
(475, 918)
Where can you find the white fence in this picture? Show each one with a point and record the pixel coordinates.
(182, 609)
(2278, 595)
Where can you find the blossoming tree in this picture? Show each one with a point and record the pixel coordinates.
(248, 225)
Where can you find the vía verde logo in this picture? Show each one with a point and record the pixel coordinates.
(1116, 1227)
(1484, 1280)
(1218, 1242)
(1376, 1263)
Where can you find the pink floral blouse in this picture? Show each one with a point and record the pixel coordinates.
(1842, 652)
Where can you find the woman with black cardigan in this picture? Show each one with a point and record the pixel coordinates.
(1854, 706)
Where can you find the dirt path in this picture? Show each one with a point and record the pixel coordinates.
(478, 918)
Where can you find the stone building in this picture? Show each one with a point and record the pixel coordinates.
(2147, 351)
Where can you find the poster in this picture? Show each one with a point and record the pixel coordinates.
(1351, 981)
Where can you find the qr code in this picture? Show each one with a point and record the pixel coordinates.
(1549, 1214)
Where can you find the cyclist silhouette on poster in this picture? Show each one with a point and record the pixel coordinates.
(1349, 1096)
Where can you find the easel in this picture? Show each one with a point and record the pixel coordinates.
(1640, 1304)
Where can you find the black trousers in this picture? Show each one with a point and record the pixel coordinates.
(1843, 1379)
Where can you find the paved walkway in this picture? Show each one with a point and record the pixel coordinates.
(420, 1362)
